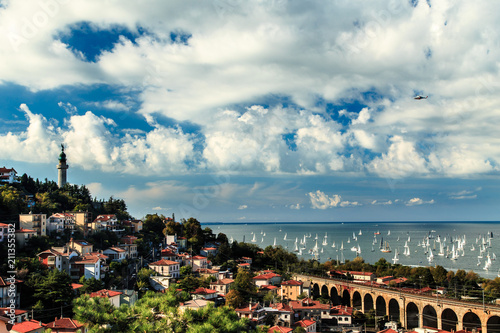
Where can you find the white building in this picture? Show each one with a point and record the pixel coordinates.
(116, 253)
(166, 268)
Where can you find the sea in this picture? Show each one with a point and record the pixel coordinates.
(471, 246)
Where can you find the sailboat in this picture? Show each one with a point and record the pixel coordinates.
(274, 244)
(333, 245)
(430, 258)
(396, 257)
(253, 239)
(360, 233)
(386, 248)
(284, 238)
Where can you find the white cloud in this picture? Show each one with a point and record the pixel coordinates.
(465, 194)
(309, 55)
(385, 203)
(418, 201)
(243, 207)
(320, 200)
(296, 206)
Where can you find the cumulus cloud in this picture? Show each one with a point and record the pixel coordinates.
(296, 206)
(320, 200)
(385, 203)
(418, 202)
(250, 54)
(465, 194)
(243, 207)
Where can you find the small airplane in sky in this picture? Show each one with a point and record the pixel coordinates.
(420, 97)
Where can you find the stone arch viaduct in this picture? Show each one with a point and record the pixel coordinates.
(411, 310)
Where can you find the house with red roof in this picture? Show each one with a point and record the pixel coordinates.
(8, 176)
(269, 278)
(37, 222)
(19, 315)
(337, 315)
(6, 287)
(29, 326)
(88, 265)
(222, 286)
(244, 265)
(307, 324)
(204, 293)
(169, 254)
(116, 254)
(197, 262)
(279, 329)
(207, 272)
(166, 268)
(361, 276)
(253, 311)
(59, 221)
(308, 308)
(112, 295)
(206, 251)
(66, 325)
(283, 313)
(291, 289)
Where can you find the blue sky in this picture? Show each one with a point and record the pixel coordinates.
(247, 111)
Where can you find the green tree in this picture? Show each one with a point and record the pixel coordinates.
(100, 315)
(243, 283)
(91, 285)
(53, 290)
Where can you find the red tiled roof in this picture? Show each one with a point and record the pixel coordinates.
(116, 249)
(17, 312)
(199, 257)
(105, 293)
(27, 326)
(223, 281)
(359, 273)
(65, 323)
(266, 276)
(244, 264)
(104, 218)
(292, 283)
(305, 323)
(281, 307)
(203, 291)
(4, 282)
(164, 262)
(87, 259)
(76, 285)
(25, 231)
(246, 307)
(267, 287)
(279, 329)
(388, 330)
(209, 248)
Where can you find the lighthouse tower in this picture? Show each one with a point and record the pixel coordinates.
(62, 167)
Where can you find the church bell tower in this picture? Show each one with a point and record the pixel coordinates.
(62, 167)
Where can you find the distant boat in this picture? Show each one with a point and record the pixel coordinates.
(284, 238)
(274, 242)
(377, 233)
(386, 248)
(396, 257)
(360, 233)
(333, 245)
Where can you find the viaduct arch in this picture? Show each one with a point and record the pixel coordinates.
(411, 310)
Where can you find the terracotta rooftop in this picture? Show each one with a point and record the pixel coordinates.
(27, 326)
(163, 262)
(65, 323)
(105, 293)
